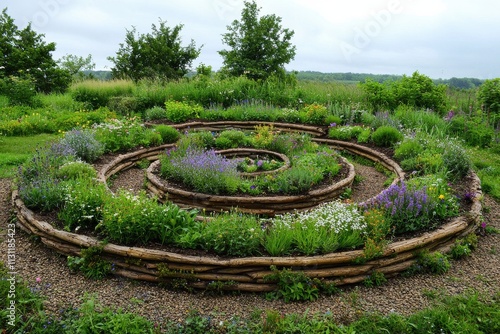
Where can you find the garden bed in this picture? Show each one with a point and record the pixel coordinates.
(247, 274)
(265, 205)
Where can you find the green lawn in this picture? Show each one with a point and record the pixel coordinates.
(15, 150)
(487, 166)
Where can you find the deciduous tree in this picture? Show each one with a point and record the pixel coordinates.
(156, 55)
(25, 55)
(259, 47)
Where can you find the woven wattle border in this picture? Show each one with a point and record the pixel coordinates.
(247, 274)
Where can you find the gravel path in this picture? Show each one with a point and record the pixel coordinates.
(480, 272)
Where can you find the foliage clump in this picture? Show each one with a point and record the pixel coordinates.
(416, 91)
(144, 56)
(259, 47)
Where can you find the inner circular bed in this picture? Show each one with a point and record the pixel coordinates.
(268, 205)
(254, 155)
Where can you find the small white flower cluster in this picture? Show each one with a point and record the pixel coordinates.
(334, 216)
(117, 124)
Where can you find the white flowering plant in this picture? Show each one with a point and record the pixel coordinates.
(324, 229)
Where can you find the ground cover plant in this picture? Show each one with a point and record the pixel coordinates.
(466, 313)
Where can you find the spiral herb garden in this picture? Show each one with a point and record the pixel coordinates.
(240, 204)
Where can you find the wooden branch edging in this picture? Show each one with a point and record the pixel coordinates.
(247, 274)
(270, 205)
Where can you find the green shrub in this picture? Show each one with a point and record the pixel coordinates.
(123, 105)
(489, 96)
(434, 262)
(155, 113)
(292, 286)
(333, 120)
(231, 139)
(151, 138)
(73, 170)
(130, 219)
(179, 112)
(20, 91)
(91, 264)
(121, 135)
(199, 139)
(278, 239)
(408, 148)
(297, 180)
(386, 136)
(232, 234)
(346, 132)
(375, 279)
(456, 161)
(464, 246)
(420, 92)
(474, 131)
(83, 204)
(168, 133)
(378, 95)
(315, 114)
(364, 136)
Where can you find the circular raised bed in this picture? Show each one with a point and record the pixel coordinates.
(254, 153)
(268, 205)
(247, 274)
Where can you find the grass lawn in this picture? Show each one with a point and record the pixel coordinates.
(15, 150)
(487, 166)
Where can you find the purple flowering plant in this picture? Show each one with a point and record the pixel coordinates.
(204, 170)
(407, 208)
(37, 180)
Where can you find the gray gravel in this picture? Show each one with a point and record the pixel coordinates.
(62, 289)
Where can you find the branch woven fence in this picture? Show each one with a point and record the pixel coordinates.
(247, 274)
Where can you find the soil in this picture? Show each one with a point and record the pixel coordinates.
(62, 288)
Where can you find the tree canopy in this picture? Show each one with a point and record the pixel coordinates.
(156, 55)
(259, 47)
(416, 90)
(489, 96)
(25, 55)
(77, 66)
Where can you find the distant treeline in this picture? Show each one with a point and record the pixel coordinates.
(460, 83)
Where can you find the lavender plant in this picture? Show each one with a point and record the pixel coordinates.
(84, 143)
(203, 170)
(408, 208)
(37, 181)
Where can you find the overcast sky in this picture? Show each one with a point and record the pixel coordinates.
(438, 38)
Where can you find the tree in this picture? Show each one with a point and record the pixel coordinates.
(416, 91)
(75, 65)
(156, 55)
(489, 96)
(259, 47)
(25, 55)
(419, 91)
